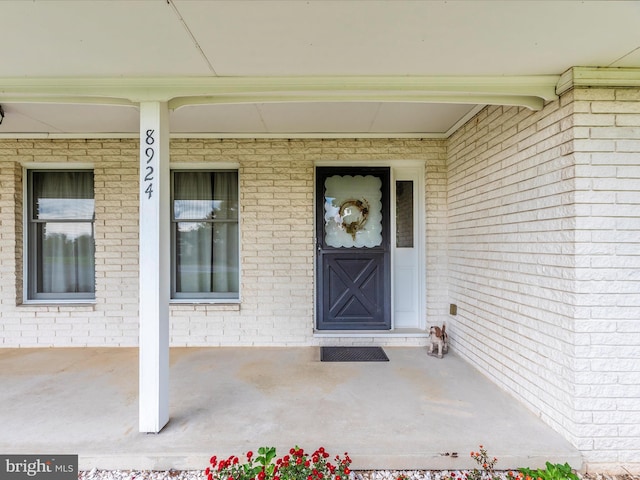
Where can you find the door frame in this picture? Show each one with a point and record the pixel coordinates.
(418, 167)
(415, 172)
(375, 260)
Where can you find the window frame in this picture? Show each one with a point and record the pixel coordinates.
(201, 297)
(30, 240)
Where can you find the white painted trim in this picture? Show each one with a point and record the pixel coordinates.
(472, 113)
(26, 166)
(398, 163)
(261, 136)
(204, 166)
(419, 232)
(598, 77)
(25, 235)
(57, 166)
(314, 136)
(533, 102)
(529, 90)
(204, 301)
(399, 333)
(57, 303)
(370, 163)
(154, 255)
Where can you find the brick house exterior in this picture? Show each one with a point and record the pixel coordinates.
(532, 228)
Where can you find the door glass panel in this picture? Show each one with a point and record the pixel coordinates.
(353, 211)
(404, 214)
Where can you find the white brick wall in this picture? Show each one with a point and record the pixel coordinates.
(607, 146)
(544, 250)
(510, 245)
(436, 237)
(532, 229)
(277, 231)
(277, 176)
(112, 321)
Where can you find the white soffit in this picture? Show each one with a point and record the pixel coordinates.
(246, 38)
(282, 38)
(251, 67)
(54, 38)
(42, 118)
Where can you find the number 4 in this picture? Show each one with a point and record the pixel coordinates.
(149, 190)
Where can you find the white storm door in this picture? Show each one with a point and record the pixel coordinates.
(408, 269)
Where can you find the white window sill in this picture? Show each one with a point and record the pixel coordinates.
(58, 303)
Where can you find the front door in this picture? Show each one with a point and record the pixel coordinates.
(353, 248)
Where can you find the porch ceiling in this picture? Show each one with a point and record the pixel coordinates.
(287, 68)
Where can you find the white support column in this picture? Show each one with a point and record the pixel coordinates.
(154, 266)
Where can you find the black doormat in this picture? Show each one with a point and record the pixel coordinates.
(353, 354)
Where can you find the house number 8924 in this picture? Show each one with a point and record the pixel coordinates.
(149, 153)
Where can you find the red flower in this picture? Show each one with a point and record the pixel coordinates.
(213, 460)
(249, 455)
(346, 470)
(261, 475)
(307, 463)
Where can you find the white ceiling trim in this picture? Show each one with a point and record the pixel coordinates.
(526, 91)
(532, 103)
(71, 136)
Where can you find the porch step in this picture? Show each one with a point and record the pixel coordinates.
(406, 337)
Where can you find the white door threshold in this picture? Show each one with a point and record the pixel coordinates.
(395, 333)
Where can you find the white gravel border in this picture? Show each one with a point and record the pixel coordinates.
(96, 474)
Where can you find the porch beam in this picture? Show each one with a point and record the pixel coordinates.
(528, 91)
(154, 267)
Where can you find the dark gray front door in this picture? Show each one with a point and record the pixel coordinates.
(353, 249)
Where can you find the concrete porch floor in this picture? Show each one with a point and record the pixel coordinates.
(409, 413)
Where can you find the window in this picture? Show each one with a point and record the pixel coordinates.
(404, 214)
(60, 235)
(204, 231)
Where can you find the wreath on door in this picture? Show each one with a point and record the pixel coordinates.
(362, 216)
